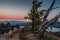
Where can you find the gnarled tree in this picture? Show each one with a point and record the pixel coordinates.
(34, 14)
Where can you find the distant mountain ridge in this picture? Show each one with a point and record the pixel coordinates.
(56, 25)
(20, 23)
(13, 21)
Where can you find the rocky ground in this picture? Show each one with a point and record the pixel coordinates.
(15, 36)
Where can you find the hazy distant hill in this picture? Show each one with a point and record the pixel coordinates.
(20, 23)
(56, 25)
(54, 28)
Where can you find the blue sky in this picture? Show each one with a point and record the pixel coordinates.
(18, 9)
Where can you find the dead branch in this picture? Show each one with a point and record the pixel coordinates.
(49, 9)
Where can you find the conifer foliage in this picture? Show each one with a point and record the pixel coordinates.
(34, 15)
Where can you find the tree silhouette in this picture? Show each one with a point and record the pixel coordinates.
(8, 24)
(34, 14)
(46, 23)
(35, 17)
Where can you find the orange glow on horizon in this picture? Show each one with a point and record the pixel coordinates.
(9, 17)
(16, 20)
(13, 18)
(11, 14)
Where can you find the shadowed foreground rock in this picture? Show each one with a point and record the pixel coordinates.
(15, 37)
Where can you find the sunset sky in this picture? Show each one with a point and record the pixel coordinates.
(18, 9)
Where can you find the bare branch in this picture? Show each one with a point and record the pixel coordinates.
(49, 9)
(51, 22)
